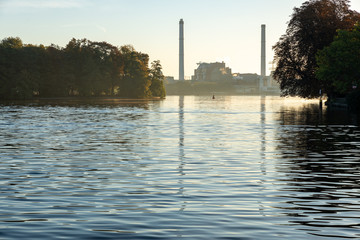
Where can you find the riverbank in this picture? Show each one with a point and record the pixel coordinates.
(337, 102)
(101, 100)
(350, 102)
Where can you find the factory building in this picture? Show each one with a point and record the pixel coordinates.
(212, 72)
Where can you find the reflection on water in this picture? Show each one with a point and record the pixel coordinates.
(181, 149)
(319, 167)
(234, 167)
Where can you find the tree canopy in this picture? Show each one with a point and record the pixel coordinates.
(82, 68)
(339, 63)
(311, 28)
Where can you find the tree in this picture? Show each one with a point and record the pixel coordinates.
(109, 59)
(32, 66)
(55, 82)
(117, 69)
(20, 68)
(135, 82)
(157, 77)
(8, 58)
(311, 28)
(83, 67)
(12, 42)
(339, 63)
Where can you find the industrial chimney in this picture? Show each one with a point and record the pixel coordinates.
(263, 58)
(181, 50)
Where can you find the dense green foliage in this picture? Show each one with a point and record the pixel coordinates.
(82, 68)
(311, 28)
(339, 63)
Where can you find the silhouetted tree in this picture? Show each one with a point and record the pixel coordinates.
(311, 28)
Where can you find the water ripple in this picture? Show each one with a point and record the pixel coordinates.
(187, 167)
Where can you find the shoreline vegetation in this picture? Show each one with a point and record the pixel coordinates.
(319, 53)
(80, 101)
(81, 69)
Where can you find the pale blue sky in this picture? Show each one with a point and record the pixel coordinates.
(215, 30)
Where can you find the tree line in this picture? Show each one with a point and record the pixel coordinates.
(82, 68)
(320, 51)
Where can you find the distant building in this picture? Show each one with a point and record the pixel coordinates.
(169, 79)
(212, 72)
(250, 82)
(246, 83)
(246, 79)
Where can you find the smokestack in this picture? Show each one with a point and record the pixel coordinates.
(181, 50)
(263, 54)
(263, 57)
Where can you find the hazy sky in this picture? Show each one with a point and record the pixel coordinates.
(215, 30)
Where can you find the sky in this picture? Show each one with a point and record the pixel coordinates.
(214, 30)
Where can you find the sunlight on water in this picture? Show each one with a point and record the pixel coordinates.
(240, 167)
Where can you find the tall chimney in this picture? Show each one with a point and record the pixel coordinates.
(263, 54)
(263, 57)
(181, 50)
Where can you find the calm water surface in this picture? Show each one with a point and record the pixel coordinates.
(184, 168)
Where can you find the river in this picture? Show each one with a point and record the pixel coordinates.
(233, 167)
